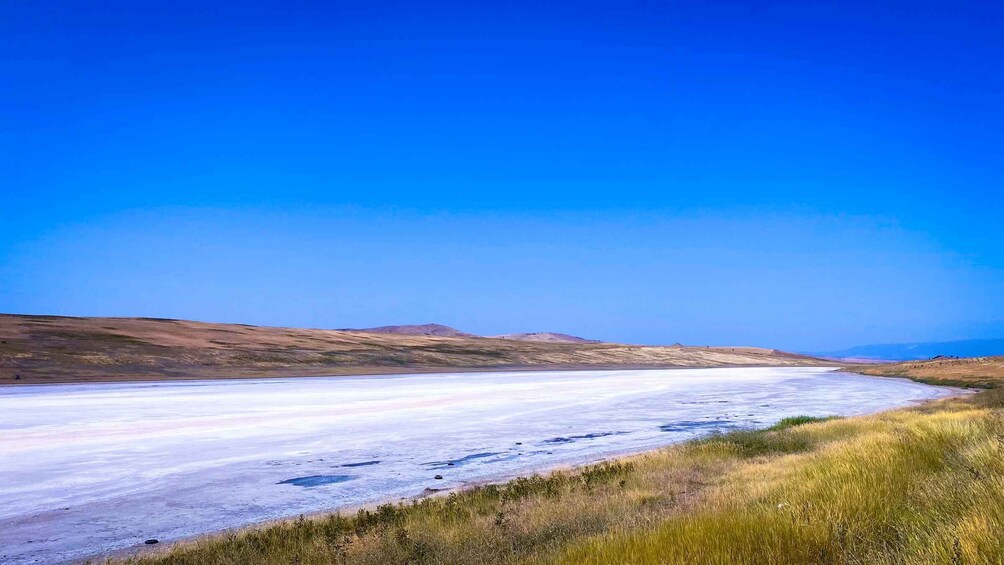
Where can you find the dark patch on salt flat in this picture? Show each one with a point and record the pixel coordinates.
(571, 439)
(697, 426)
(361, 464)
(460, 461)
(316, 480)
(295, 463)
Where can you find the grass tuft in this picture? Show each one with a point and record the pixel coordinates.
(792, 421)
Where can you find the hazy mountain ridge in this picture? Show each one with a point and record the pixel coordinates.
(919, 351)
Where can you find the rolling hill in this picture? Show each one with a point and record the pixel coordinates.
(51, 349)
(549, 337)
(413, 329)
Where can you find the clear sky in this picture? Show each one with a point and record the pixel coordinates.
(799, 175)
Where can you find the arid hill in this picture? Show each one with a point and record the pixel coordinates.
(423, 329)
(446, 331)
(549, 337)
(51, 349)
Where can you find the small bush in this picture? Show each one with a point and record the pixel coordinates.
(792, 421)
(753, 443)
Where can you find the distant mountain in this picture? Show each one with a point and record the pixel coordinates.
(424, 329)
(549, 337)
(917, 351)
(440, 330)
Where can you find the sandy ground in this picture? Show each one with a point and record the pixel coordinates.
(87, 469)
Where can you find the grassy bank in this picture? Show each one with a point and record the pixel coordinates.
(967, 372)
(912, 486)
(919, 485)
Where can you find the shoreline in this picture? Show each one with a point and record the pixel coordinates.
(395, 372)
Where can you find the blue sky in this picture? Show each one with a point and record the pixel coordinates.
(800, 176)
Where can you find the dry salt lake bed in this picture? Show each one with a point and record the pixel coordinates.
(92, 468)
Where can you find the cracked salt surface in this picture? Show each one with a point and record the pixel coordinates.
(91, 468)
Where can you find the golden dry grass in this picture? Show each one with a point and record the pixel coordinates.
(912, 486)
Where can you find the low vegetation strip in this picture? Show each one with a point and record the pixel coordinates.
(918, 485)
(967, 372)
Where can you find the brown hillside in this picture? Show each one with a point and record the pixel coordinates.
(423, 329)
(551, 337)
(49, 349)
